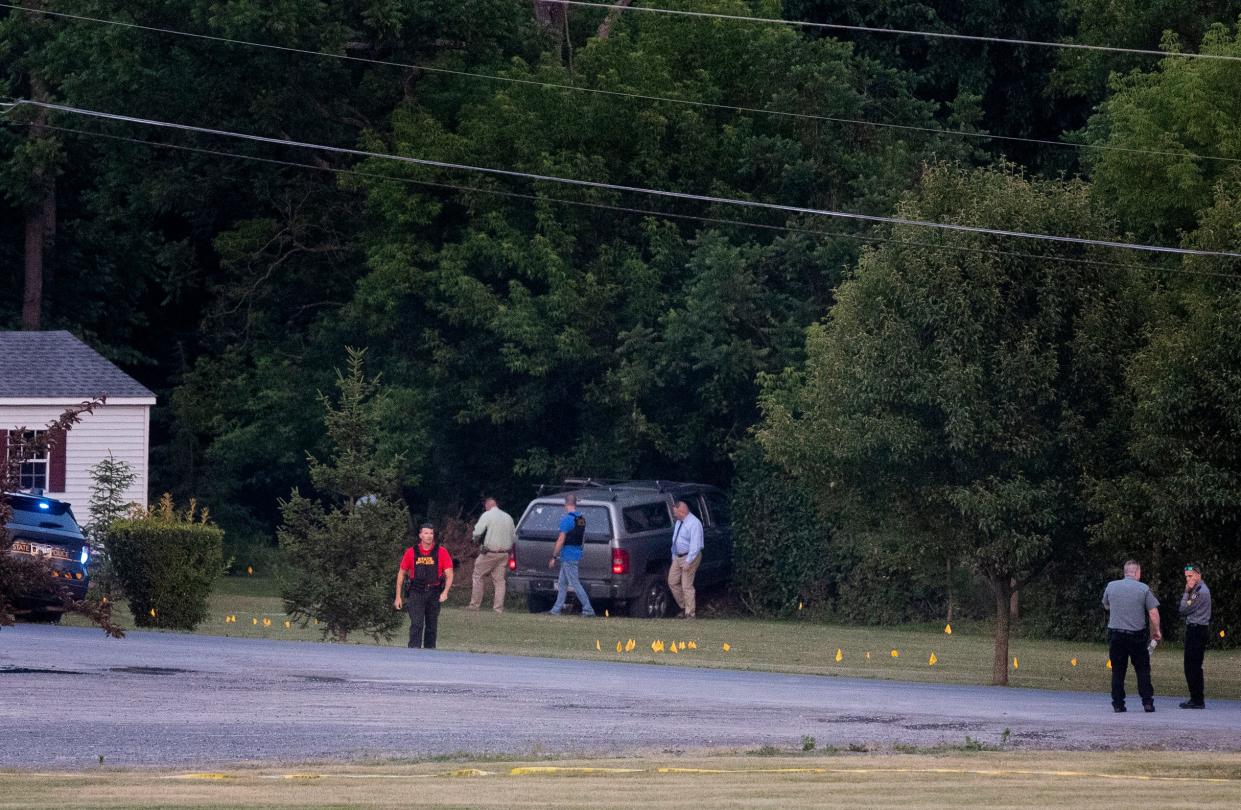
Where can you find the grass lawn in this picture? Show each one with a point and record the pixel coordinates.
(780, 646)
(819, 779)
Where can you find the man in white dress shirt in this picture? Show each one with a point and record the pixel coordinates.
(686, 556)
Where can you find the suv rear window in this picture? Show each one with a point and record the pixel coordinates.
(44, 514)
(544, 518)
(646, 517)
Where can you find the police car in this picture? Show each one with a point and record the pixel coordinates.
(46, 528)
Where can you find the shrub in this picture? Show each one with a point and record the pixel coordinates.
(252, 555)
(787, 554)
(457, 537)
(167, 562)
(780, 542)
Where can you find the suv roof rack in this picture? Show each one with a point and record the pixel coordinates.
(646, 486)
(570, 484)
(610, 484)
(590, 483)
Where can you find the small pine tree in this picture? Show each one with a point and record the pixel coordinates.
(110, 479)
(341, 548)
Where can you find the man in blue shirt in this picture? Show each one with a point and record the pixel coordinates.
(686, 556)
(569, 552)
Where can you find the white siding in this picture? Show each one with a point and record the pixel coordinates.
(123, 430)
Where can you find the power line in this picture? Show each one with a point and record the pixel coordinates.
(538, 198)
(933, 131)
(865, 29)
(679, 195)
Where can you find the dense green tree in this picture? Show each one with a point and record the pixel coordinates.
(1138, 24)
(1177, 497)
(162, 255)
(956, 400)
(568, 338)
(1186, 111)
(985, 87)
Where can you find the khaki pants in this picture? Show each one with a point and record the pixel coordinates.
(681, 583)
(489, 564)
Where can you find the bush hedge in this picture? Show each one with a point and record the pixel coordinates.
(167, 563)
(780, 544)
(786, 554)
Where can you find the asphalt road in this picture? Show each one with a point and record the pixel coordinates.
(68, 695)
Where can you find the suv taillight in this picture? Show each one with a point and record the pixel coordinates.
(620, 561)
(512, 559)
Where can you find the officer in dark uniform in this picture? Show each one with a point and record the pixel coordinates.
(1195, 609)
(1130, 604)
(422, 585)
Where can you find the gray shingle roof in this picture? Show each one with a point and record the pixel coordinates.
(56, 364)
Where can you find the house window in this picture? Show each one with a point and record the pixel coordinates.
(32, 472)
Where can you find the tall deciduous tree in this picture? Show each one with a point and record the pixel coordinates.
(342, 546)
(1177, 497)
(1139, 24)
(978, 86)
(568, 338)
(1174, 139)
(956, 399)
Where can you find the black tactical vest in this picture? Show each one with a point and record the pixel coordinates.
(577, 534)
(426, 573)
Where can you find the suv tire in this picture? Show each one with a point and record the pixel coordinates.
(654, 600)
(539, 603)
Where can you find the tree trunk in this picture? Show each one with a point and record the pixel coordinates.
(948, 575)
(605, 27)
(1002, 587)
(32, 293)
(40, 225)
(1014, 608)
(550, 16)
(553, 19)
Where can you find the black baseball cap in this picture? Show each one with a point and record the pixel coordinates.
(1193, 567)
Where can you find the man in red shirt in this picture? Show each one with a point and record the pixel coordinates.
(422, 584)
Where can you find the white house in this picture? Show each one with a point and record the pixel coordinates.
(43, 373)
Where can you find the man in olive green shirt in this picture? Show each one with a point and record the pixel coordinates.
(496, 532)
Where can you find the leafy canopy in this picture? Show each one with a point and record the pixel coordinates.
(956, 396)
